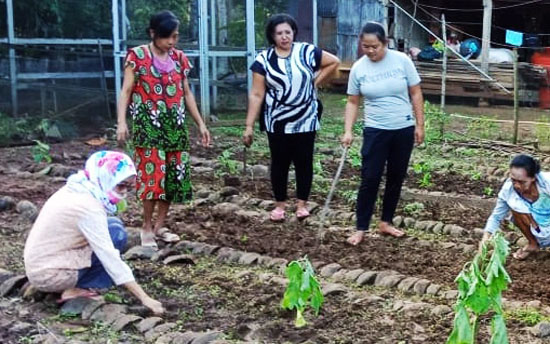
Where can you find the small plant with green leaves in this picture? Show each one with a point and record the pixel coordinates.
(303, 289)
(41, 152)
(435, 122)
(424, 168)
(480, 287)
(229, 165)
(355, 158)
(488, 191)
(414, 208)
(475, 175)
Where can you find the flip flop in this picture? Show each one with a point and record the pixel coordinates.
(277, 215)
(302, 213)
(165, 235)
(88, 295)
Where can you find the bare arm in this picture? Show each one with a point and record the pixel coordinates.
(124, 100)
(329, 63)
(255, 101)
(417, 101)
(145, 299)
(191, 105)
(350, 116)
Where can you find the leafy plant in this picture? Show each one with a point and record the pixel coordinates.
(41, 152)
(228, 164)
(303, 289)
(424, 168)
(414, 208)
(476, 175)
(354, 157)
(528, 316)
(435, 121)
(488, 191)
(480, 286)
(317, 167)
(482, 127)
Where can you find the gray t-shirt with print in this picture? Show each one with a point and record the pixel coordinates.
(384, 86)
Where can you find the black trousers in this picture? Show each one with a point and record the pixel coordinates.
(296, 149)
(380, 148)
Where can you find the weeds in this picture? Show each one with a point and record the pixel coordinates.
(414, 209)
(435, 122)
(354, 157)
(488, 191)
(41, 152)
(424, 168)
(528, 316)
(482, 127)
(229, 165)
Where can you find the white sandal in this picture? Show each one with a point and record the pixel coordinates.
(165, 235)
(149, 238)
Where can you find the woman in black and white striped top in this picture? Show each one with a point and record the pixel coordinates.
(285, 78)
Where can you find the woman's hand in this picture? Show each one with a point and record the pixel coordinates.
(347, 139)
(248, 136)
(419, 135)
(205, 135)
(484, 239)
(122, 132)
(153, 305)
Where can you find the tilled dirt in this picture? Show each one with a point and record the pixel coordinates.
(232, 303)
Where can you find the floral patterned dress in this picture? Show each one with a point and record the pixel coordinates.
(159, 132)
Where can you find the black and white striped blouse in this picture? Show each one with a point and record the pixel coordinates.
(291, 99)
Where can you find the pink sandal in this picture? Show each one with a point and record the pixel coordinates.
(277, 215)
(302, 213)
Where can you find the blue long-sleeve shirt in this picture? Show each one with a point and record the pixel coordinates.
(509, 199)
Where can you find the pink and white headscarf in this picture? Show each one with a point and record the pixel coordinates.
(103, 171)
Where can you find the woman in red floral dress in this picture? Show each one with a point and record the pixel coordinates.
(157, 92)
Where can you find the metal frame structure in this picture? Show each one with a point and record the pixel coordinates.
(207, 56)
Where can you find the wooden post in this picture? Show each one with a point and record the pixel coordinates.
(486, 42)
(444, 75)
(516, 97)
(103, 79)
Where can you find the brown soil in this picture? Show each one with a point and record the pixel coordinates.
(254, 302)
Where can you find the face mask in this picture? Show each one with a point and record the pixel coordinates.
(115, 197)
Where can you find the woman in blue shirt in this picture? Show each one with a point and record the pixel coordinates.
(525, 194)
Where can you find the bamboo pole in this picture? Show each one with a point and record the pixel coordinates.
(486, 42)
(516, 97)
(444, 75)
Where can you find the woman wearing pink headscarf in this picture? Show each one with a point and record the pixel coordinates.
(74, 247)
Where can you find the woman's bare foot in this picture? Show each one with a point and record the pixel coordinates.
(356, 238)
(525, 252)
(73, 293)
(387, 229)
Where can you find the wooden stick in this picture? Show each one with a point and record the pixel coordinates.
(321, 233)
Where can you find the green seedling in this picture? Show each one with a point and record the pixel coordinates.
(480, 287)
(228, 164)
(488, 191)
(303, 289)
(41, 152)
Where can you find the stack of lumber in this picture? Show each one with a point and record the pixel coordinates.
(463, 80)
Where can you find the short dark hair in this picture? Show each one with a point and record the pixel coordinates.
(374, 28)
(527, 162)
(277, 19)
(163, 24)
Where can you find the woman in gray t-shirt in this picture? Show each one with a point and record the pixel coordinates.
(393, 122)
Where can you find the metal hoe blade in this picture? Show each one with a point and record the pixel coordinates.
(321, 233)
